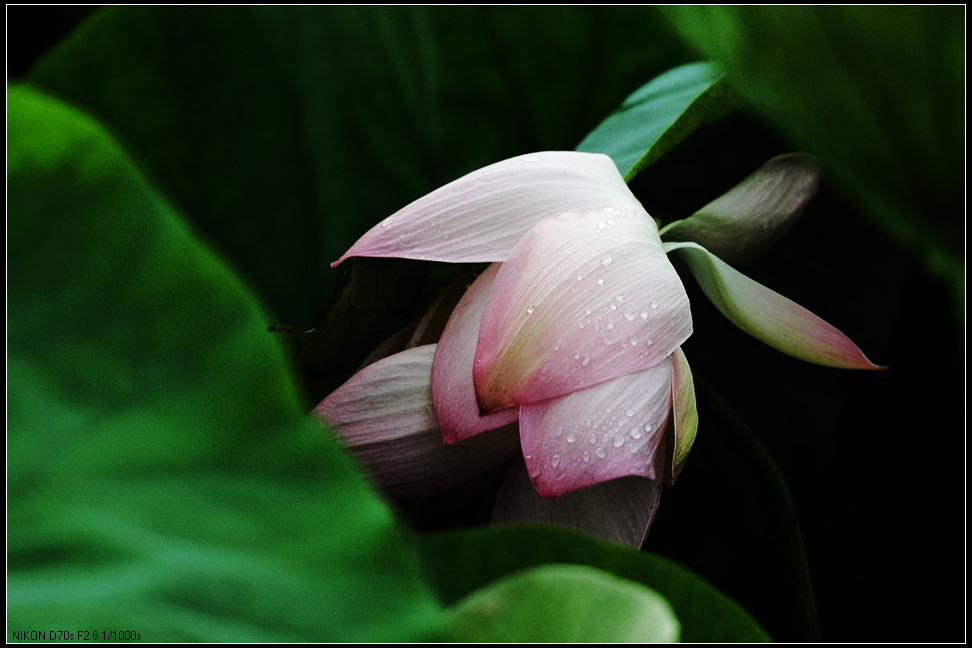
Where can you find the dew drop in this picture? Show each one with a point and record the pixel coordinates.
(577, 356)
(648, 427)
(644, 315)
(530, 310)
(571, 437)
(608, 208)
(654, 304)
(630, 315)
(600, 282)
(629, 412)
(634, 341)
(587, 457)
(555, 461)
(601, 226)
(610, 324)
(579, 277)
(633, 449)
(593, 439)
(611, 221)
(588, 311)
(586, 361)
(618, 440)
(600, 453)
(607, 260)
(559, 431)
(634, 433)
(619, 297)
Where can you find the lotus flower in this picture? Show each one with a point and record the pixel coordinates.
(573, 331)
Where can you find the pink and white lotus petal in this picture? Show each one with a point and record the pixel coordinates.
(597, 434)
(452, 387)
(743, 223)
(385, 415)
(768, 316)
(482, 215)
(620, 510)
(582, 299)
(684, 413)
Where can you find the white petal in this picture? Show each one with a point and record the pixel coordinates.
(385, 415)
(481, 216)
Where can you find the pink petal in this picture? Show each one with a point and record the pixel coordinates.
(598, 434)
(385, 415)
(481, 216)
(620, 510)
(583, 298)
(684, 412)
(768, 316)
(452, 385)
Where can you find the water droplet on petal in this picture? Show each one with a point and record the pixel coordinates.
(654, 304)
(587, 457)
(555, 461)
(600, 453)
(644, 315)
(559, 431)
(601, 226)
(593, 439)
(618, 440)
(610, 324)
(579, 277)
(577, 355)
(635, 433)
(586, 361)
(619, 297)
(629, 412)
(607, 260)
(530, 310)
(600, 282)
(634, 341)
(630, 315)
(648, 427)
(571, 437)
(633, 449)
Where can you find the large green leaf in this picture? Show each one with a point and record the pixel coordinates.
(459, 562)
(660, 115)
(161, 475)
(285, 133)
(564, 604)
(876, 92)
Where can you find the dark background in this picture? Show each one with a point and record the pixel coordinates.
(874, 461)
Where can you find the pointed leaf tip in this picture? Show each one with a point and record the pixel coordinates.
(767, 315)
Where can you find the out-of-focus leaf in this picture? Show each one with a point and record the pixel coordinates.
(660, 114)
(285, 133)
(876, 92)
(162, 477)
(459, 562)
(564, 604)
